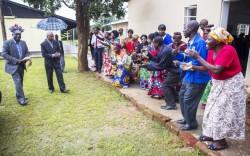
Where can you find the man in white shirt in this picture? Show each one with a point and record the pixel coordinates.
(98, 48)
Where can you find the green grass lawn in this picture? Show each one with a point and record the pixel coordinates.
(93, 119)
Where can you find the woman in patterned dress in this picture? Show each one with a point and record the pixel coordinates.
(106, 54)
(225, 111)
(144, 73)
(123, 62)
(157, 77)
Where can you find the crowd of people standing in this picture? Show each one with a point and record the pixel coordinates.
(204, 70)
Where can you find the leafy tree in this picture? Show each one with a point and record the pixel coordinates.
(103, 21)
(85, 11)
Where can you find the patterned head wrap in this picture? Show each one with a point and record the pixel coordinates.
(15, 29)
(221, 35)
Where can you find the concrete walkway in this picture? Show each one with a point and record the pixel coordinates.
(140, 97)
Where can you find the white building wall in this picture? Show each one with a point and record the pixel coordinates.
(31, 34)
(145, 15)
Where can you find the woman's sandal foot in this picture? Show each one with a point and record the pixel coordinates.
(205, 138)
(216, 148)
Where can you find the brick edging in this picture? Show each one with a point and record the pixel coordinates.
(166, 122)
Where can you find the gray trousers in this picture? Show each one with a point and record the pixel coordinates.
(190, 96)
(18, 80)
(62, 62)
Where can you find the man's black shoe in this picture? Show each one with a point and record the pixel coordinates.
(51, 90)
(25, 98)
(182, 121)
(64, 91)
(187, 127)
(22, 102)
(168, 107)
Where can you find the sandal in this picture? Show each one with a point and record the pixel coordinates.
(215, 148)
(156, 96)
(205, 138)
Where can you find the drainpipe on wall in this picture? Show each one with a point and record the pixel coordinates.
(2, 22)
(225, 6)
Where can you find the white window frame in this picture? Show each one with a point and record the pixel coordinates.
(187, 15)
(241, 29)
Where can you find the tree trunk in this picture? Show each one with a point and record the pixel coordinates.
(82, 20)
(2, 22)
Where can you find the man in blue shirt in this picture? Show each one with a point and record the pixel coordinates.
(194, 82)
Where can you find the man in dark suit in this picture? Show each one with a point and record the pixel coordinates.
(62, 60)
(51, 53)
(15, 52)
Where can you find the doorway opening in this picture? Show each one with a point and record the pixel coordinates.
(238, 26)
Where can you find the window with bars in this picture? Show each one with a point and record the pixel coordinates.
(190, 13)
(243, 28)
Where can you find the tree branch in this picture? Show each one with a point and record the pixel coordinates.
(72, 6)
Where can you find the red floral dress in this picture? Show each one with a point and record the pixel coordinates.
(156, 80)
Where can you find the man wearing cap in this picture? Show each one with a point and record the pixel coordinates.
(15, 52)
